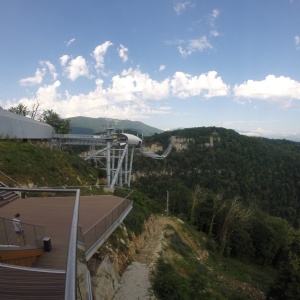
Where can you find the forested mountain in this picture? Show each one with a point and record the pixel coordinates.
(243, 192)
(86, 125)
(264, 173)
(240, 194)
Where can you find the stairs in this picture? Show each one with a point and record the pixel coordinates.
(7, 196)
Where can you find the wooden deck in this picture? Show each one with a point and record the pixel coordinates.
(46, 278)
(55, 215)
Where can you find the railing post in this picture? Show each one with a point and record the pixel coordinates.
(5, 232)
(36, 242)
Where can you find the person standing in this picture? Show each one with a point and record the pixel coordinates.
(19, 228)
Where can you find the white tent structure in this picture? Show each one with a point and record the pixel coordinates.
(13, 126)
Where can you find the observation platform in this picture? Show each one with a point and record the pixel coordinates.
(98, 215)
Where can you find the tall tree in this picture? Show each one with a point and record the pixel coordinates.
(20, 109)
(218, 205)
(34, 110)
(52, 118)
(287, 284)
(237, 215)
(198, 197)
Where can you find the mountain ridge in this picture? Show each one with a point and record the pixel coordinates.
(88, 125)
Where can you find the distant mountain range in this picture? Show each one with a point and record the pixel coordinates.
(86, 125)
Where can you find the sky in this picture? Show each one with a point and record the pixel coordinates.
(167, 63)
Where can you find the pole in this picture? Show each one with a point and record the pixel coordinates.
(167, 210)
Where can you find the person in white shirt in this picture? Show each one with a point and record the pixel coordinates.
(19, 228)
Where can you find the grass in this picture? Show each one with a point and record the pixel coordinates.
(180, 274)
(38, 165)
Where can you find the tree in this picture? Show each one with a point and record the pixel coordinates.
(235, 217)
(52, 118)
(34, 111)
(269, 236)
(198, 197)
(20, 109)
(287, 284)
(218, 205)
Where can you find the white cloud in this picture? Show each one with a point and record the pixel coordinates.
(206, 85)
(99, 53)
(51, 69)
(123, 53)
(197, 45)
(162, 67)
(133, 85)
(36, 79)
(214, 33)
(77, 67)
(281, 90)
(64, 59)
(47, 96)
(297, 42)
(71, 41)
(215, 14)
(131, 94)
(181, 6)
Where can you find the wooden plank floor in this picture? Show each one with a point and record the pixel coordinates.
(55, 215)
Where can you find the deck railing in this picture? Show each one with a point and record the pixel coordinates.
(71, 267)
(102, 228)
(33, 235)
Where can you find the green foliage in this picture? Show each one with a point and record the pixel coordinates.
(269, 237)
(94, 125)
(168, 284)
(263, 172)
(287, 284)
(142, 208)
(60, 126)
(20, 109)
(180, 275)
(37, 164)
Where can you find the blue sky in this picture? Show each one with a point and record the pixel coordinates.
(166, 63)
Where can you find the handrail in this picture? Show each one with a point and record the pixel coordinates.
(10, 179)
(71, 268)
(34, 233)
(71, 286)
(23, 223)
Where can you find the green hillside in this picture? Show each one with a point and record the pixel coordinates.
(86, 125)
(238, 196)
(36, 165)
(264, 173)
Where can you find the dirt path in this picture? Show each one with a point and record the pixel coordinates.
(135, 283)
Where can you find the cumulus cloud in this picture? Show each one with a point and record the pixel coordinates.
(272, 89)
(77, 67)
(123, 53)
(197, 45)
(205, 85)
(181, 6)
(47, 96)
(99, 54)
(131, 94)
(51, 69)
(64, 59)
(133, 85)
(36, 79)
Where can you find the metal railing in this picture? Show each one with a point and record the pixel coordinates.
(101, 229)
(32, 236)
(71, 268)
